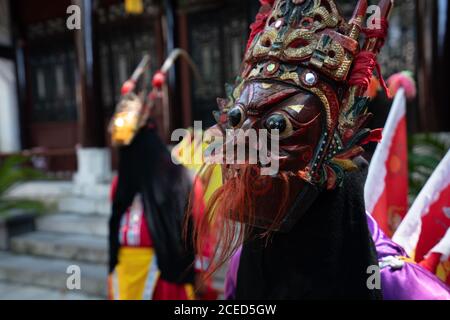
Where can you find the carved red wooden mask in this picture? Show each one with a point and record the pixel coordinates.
(305, 75)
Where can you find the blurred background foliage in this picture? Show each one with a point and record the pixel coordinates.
(15, 169)
(426, 150)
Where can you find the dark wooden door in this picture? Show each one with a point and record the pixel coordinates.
(217, 40)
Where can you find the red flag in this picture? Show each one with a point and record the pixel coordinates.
(386, 189)
(425, 232)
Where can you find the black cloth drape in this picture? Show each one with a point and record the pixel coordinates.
(146, 167)
(325, 256)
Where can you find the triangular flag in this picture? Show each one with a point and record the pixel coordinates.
(424, 233)
(386, 189)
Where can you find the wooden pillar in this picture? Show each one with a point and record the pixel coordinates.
(21, 77)
(171, 28)
(185, 73)
(433, 64)
(443, 61)
(90, 114)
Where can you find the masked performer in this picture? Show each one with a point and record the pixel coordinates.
(148, 257)
(304, 228)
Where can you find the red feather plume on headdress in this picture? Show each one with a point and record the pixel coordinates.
(260, 21)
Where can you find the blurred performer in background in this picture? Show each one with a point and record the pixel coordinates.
(304, 228)
(148, 257)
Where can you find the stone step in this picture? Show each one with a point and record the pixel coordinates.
(10, 291)
(49, 192)
(41, 278)
(94, 225)
(55, 190)
(96, 191)
(82, 205)
(76, 247)
(52, 273)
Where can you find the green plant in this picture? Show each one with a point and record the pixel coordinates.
(425, 153)
(13, 170)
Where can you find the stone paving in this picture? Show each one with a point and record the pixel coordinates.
(9, 291)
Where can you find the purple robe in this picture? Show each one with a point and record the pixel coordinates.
(400, 280)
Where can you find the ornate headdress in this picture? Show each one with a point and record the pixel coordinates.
(136, 104)
(305, 74)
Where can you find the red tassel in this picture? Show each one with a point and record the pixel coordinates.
(127, 87)
(374, 136)
(158, 79)
(260, 21)
(363, 67)
(366, 63)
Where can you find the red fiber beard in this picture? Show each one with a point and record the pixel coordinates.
(251, 198)
(248, 204)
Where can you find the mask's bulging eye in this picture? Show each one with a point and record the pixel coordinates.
(281, 123)
(236, 117)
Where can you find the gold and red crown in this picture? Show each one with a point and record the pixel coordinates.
(308, 32)
(308, 44)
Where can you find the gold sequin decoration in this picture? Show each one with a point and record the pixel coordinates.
(297, 108)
